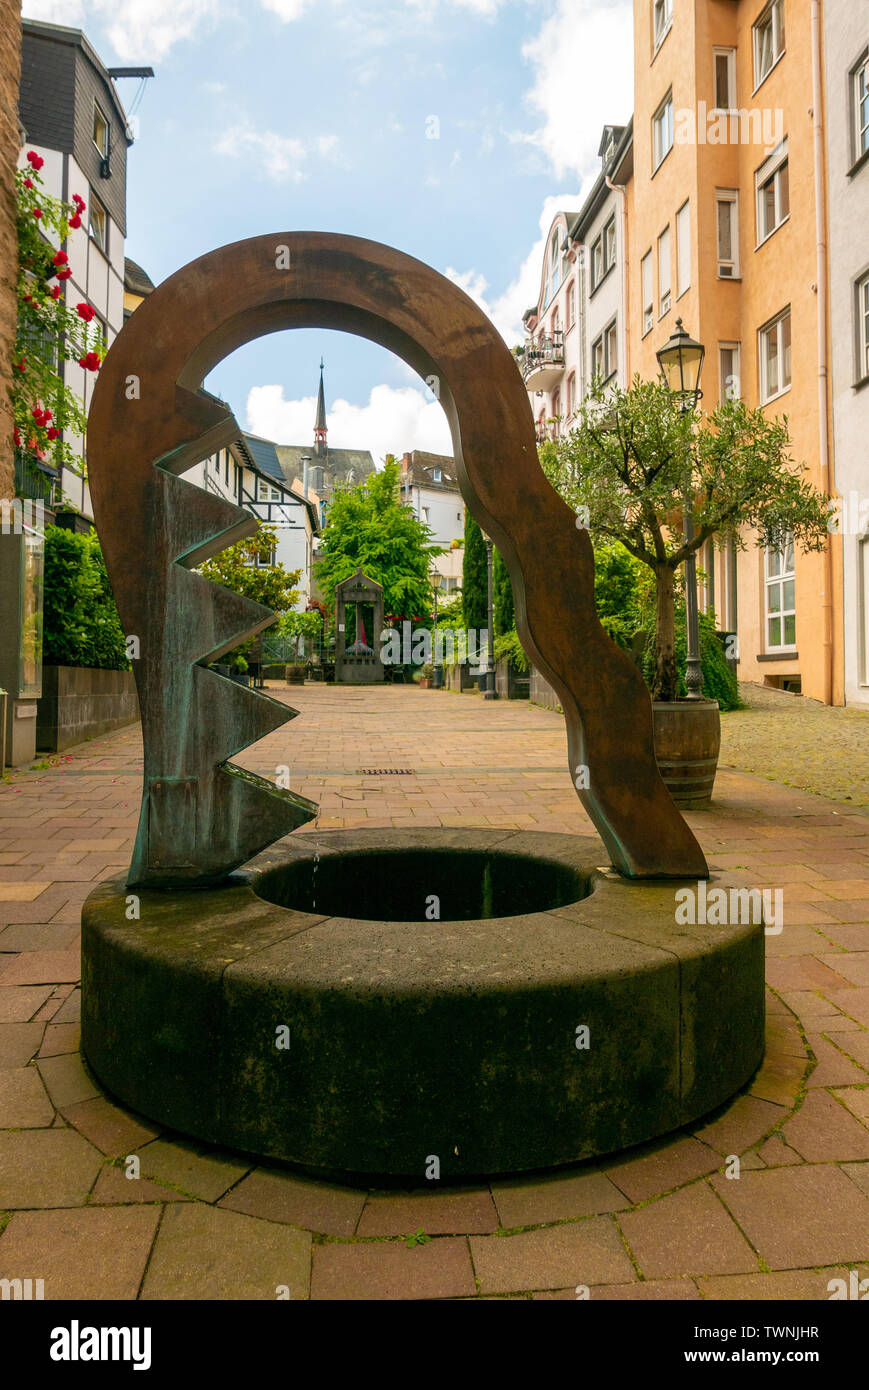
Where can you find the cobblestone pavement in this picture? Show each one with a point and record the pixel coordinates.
(789, 739)
(659, 1222)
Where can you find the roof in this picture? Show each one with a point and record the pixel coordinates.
(336, 461)
(265, 456)
(136, 280)
(419, 467)
(61, 33)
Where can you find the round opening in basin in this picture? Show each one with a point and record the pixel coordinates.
(417, 885)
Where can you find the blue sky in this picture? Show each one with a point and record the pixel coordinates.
(270, 115)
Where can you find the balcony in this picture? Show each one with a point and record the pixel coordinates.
(543, 362)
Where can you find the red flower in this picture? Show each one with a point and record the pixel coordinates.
(64, 274)
(22, 365)
(55, 292)
(28, 183)
(90, 362)
(37, 212)
(16, 438)
(39, 416)
(36, 160)
(85, 312)
(54, 432)
(79, 202)
(75, 222)
(59, 258)
(28, 299)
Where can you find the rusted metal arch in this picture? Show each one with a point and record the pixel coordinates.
(150, 420)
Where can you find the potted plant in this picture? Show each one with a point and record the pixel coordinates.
(636, 463)
(426, 675)
(512, 667)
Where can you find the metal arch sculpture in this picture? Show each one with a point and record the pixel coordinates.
(150, 420)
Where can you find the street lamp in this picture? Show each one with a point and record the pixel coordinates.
(681, 362)
(437, 676)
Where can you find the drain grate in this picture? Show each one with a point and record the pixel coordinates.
(385, 772)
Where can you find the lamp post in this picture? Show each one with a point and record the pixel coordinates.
(681, 362)
(489, 691)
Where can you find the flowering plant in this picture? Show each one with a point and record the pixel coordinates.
(49, 330)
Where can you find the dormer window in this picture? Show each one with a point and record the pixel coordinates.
(437, 475)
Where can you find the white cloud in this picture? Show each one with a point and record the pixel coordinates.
(142, 30)
(287, 10)
(394, 420)
(507, 309)
(281, 157)
(583, 79)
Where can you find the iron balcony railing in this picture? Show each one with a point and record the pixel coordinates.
(543, 352)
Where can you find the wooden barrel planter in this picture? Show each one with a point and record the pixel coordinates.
(687, 743)
(294, 675)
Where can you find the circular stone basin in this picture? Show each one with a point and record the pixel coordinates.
(307, 1009)
(415, 885)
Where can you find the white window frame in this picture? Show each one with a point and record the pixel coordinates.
(862, 291)
(609, 244)
(779, 571)
(772, 21)
(570, 306)
(764, 336)
(665, 291)
(662, 130)
(96, 211)
(647, 292)
(724, 391)
(437, 475)
(770, 172)
(730, 55)
(99, 112)
(860, 102)
(728, 269)
(662, 22)
(683, 249)
(571, 395)
(601, 345)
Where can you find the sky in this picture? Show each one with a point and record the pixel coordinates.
(450, 129)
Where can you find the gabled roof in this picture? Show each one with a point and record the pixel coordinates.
(264, 455)
(136, 280)
(61, 33)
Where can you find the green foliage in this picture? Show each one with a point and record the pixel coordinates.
(81, 623)
(502, 601)
(450, 614)
(509, 648)
(719, 682)
(270, 585)
(475, 582)
(368, 527)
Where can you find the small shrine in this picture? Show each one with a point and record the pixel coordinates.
(359, 622)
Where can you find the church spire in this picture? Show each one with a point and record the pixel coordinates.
(320, 421)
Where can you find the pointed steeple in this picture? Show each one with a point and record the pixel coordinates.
(320, 422)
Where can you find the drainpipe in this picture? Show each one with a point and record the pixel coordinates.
(823, 404)
(623, 335)
(581, 321)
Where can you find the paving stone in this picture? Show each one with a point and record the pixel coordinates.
(392, 1270)
(834, 1068)
(18, 1004)
(534, 1201)
(30, 936)
(202, 1252)
(316, 1206)
(114, 1188)
(776, 1153)
(822, 1130)
(200, 1172)
(811, 1285)
(664, 1167)
(61, 1038)
(800, 972)
(70, 1009)
(19, 1042)
(455, 1211)
(40, 967)
(852, 966)
(854, 1002)
(783, 1036)
(688, 1232)
(46, 1168)
(858, 1173)
(644, 1290)
(780, 1080)
(115, 1132)
(857, 1100)
(23, 1102)
(799, 1217)
(22, 892)
(584, 1252)
(66, 1079)
(90, 1253)
(746, 1121)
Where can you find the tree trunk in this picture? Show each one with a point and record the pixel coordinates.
(664, 684)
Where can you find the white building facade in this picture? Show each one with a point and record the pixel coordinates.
(429, 486)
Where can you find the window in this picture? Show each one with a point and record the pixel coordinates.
(781, 620)
(604, 354)
(571, 394)
(769, 40)
(727, 205)
(725, 78)
(647, 293)
(101, 131)
(664, 273)
(556, 412)
(662, 130)
(775, 357)
(729, 385)
(773, 193)
(609, 237)
(570, 309)
(863, 328)
(861, 107)
(266, 492)
(662, 18)
(683, 249)
(437, 475)
(555, 265)
(555, 325)
(603, 253)
(98, 226)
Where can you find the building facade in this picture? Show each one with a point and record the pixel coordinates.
(72, 116)
(430, 487)
(846, 55)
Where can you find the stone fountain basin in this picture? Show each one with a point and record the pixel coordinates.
(452, 1038)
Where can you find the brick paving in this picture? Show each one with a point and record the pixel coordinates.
(663, 1222)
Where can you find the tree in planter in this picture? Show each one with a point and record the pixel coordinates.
(294, 626)
(246, 569)
(368, 527)
(502, 600)
(475, 583)
(635, 454)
